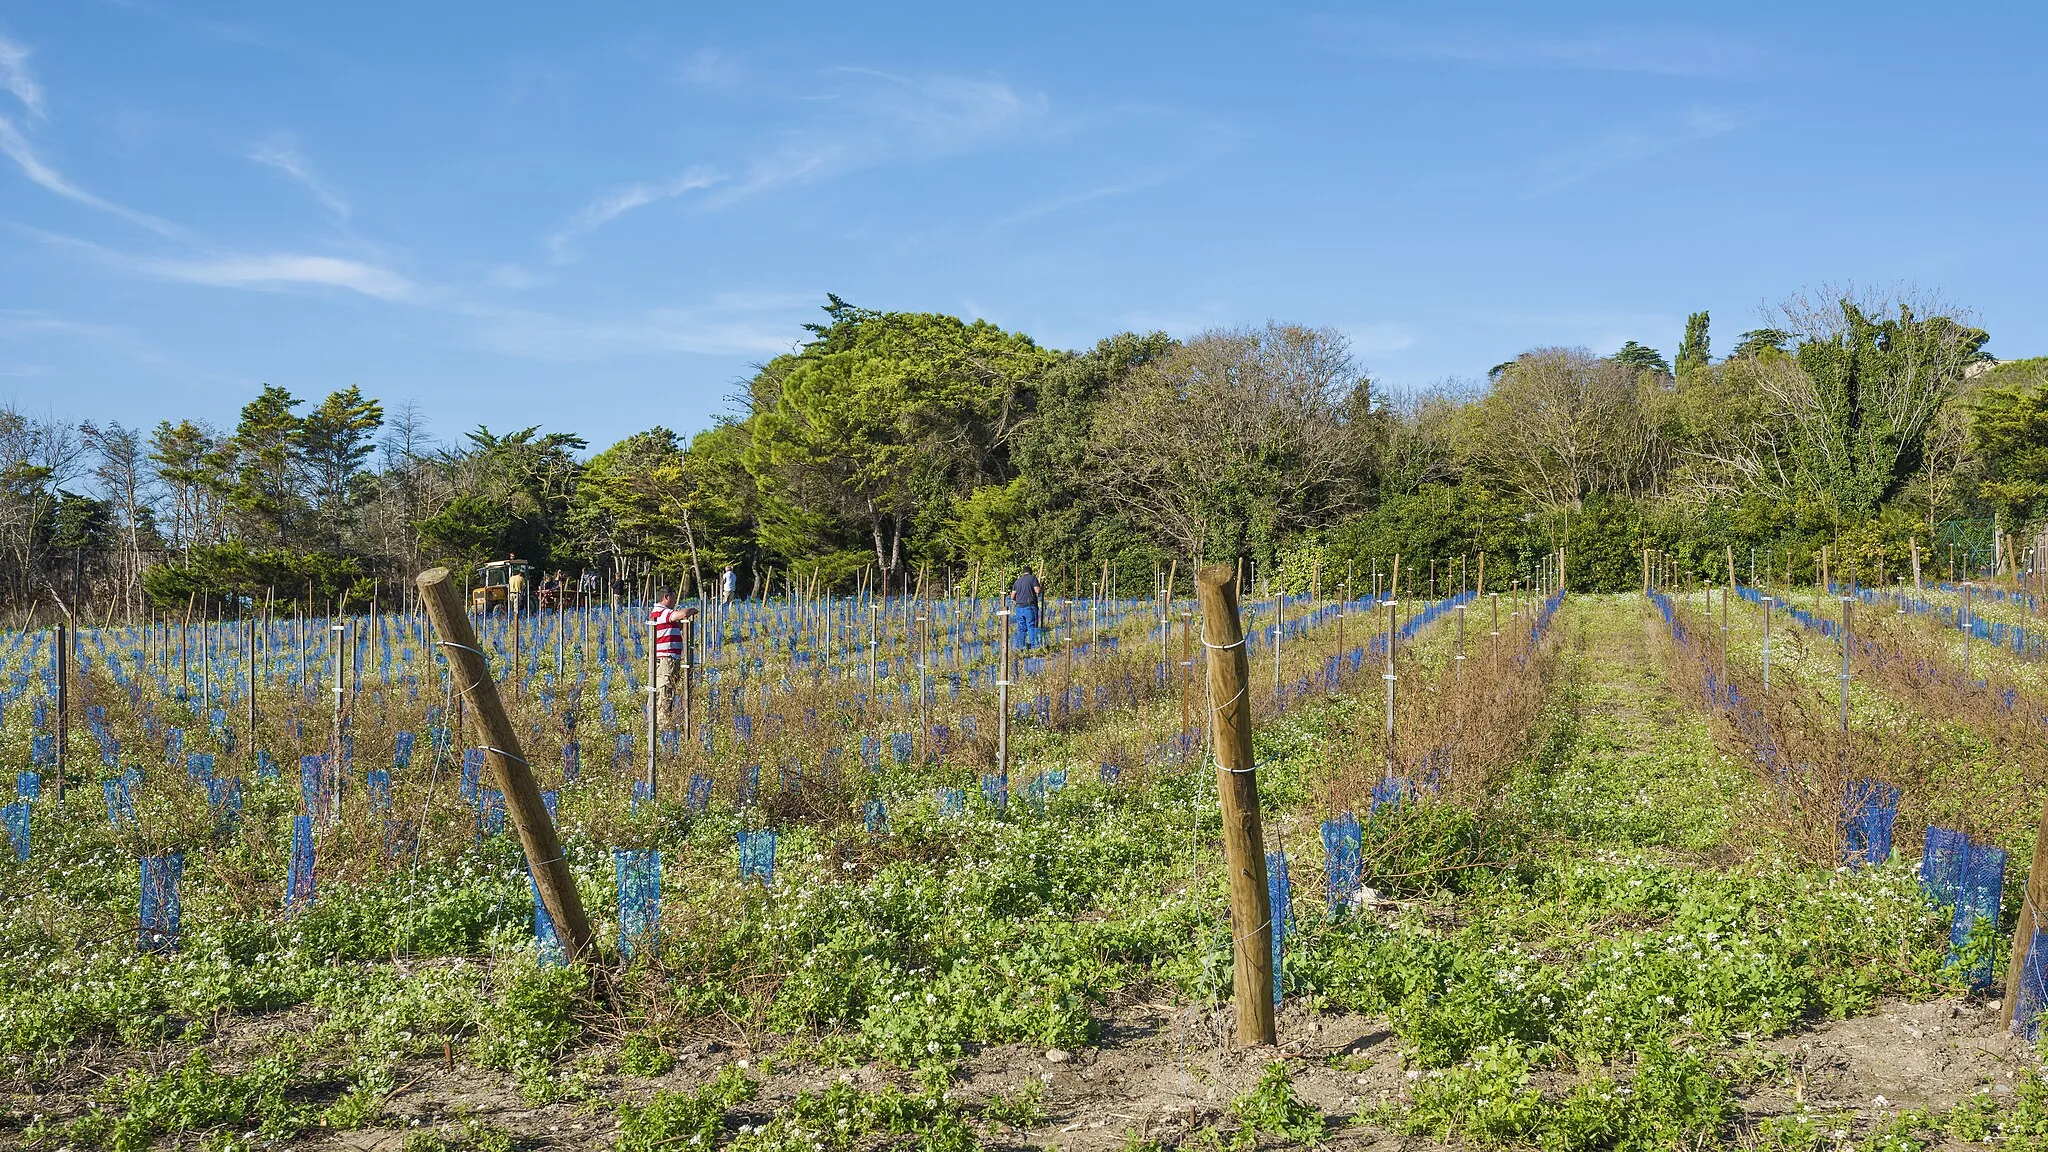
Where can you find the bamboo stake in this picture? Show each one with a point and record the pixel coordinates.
(523, 806)
(1230, 712)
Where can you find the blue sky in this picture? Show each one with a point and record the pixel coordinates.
(595, 218)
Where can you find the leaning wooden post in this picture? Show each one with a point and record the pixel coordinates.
(2023, 933)
(523, 806)
(1237, 786)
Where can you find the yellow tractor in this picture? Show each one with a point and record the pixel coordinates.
(495, 584)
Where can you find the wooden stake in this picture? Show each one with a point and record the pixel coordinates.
(2023, 932)
(1237, 786)
(523, 806)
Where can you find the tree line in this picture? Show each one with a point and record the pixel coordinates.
(889, 447)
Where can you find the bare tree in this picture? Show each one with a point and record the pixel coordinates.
(1561, 424)
(39, 455)
(122, 473)
(1237, 434)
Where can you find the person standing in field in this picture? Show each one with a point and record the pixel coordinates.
(1026, 593)
(515, 584)
(668, 649)
(618, 590)
(728, 583)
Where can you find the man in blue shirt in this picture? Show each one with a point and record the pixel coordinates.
(1026, 594)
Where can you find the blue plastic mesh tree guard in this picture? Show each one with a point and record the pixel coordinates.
(1390, 792)
(1343, 849)
(312, 784)
(1977, 899)
(874, 814)
(159, 930)
(28, 785)
(298, 883)
(698, 798)
(750, 784)
(472, 772)
(995, 791)
(266, 765)
(1869, 808)
(16, 816)
(1280, 898)
(547, 942)
(952, 802)
(901, 745)
(639, 877)
(572, 761)
(490, 813)
(401, 750)
(1942, 857)
(379, 783)
(757, 854)
(199, 766)
(551, 800)
(1110, 772)
(224, 796)
(871, 751)
(2032, 994)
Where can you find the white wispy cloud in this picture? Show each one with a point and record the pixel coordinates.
(281, 270)
(730, 324)
(1620, 147)
(281, 156)
(17, 148)
(27, 323)
(1664, 51)
(862, 119)
(1379, 338)
(16, 78)
(711, 68)
(259, 271)
(606, 209)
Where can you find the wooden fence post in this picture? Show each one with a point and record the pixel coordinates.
(2023, 932)
(523, 806)
(1237, 786)
(63, 740)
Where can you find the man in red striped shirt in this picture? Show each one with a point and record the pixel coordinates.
(668, 648)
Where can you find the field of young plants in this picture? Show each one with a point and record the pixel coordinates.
(1557, 872)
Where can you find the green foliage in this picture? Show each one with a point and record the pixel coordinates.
(1270, 1108)
(2009, 432)
(1644, 359)
(235, 570)
(886, 416)
(643, 1054)
(1674, 1100)
(194, 1097)
(684, 1119)
(530, 1021)
(1694, 352)
(1873, 388)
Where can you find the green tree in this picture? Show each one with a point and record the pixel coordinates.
(335, 443)
(1052, 512)
(1643, 359)
(1859, 395)
(180, 454)
(2009, 433)
(1694, 352)
(259, 461)
(881, 422)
